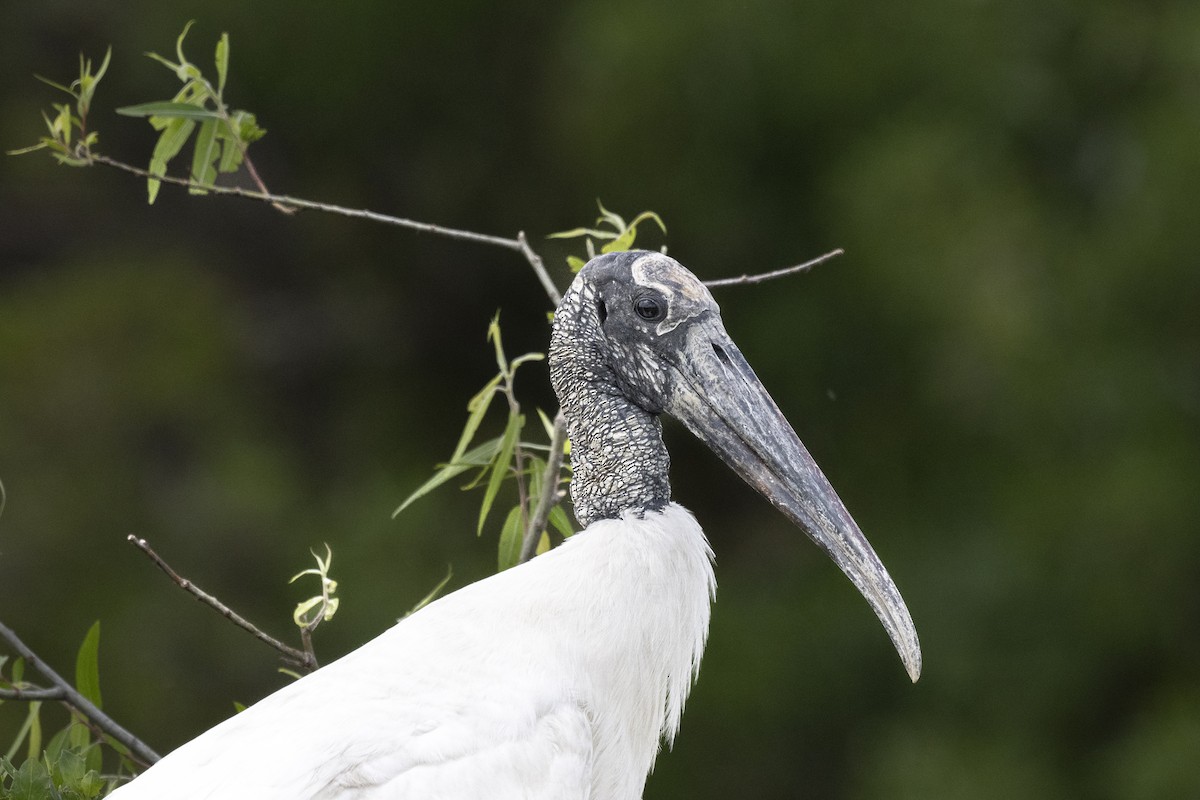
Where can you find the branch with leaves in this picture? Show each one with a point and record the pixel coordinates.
(304, 659)
(81, 698)
(506, 456)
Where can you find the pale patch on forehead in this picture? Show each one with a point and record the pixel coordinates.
(657, 271)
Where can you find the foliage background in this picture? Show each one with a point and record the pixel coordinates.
(1001, 375)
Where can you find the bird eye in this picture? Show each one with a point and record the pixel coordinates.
(648, 308)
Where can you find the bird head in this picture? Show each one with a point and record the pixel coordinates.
(657, 329)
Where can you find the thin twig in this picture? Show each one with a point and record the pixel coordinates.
(300, 658)
(550, 492)
(32, 694)
(286, 202)
(297, 202)
(80, 703)
(745, 280)
(539, 269)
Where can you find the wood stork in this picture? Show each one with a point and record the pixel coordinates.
(558, 678)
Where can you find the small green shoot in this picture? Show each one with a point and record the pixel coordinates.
(321, 607)
(619, 239)
(69, 140)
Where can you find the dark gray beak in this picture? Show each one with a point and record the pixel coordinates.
(719, 398)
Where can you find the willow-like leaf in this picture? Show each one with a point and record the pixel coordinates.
(478, 456)
(204, 157)
(170, 142)
(477, 406)
(87, 665)
(616, 220)
(500, 467)
(558, 518)
(169, 109)
(511, 535)
(222, 61)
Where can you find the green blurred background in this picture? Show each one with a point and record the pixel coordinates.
(1001, 376)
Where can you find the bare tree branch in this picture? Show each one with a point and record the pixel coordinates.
(77, 701)
(745, 280)
(35, 693)
(302, 659)
(539, 269)
(519, 244)
(550, 491)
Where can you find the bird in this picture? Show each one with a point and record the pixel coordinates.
(561, 677)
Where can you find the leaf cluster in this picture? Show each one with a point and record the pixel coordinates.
(64, 771)
(69, 140)
(610, 228)
(69, 766)
(321, 607)
(510, 455)
(221, 135)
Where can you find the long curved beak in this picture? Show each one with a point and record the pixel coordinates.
(722, 402)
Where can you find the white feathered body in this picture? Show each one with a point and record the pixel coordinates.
(555, 679)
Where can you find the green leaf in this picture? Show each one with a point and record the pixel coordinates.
(78, 737)
(61, 127)
(558, 518)
(58, 86)
(18, 670)
(168, 109)
(575, 263)
(477, 406)
(493, 336)
(247, 126)
(500, 468)
(103, 66)
(94, 758)
(87, 666)
(171, 65)
(204, 158)
(433, 593)
(472, 458)
(33, 148)
(649, 215)
(607, 216)
(621, 243)
(179, 43)
(235, 137)
(519, 360)
(170, 142)
(222, 62)
(32, 721)
(577, 232)
(510, 540)
(31, 782)
(92, 782)
(231, 152)
(35, 729)
(88, 82)
(547, 425)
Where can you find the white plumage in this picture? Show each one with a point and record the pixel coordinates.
(558, 678)
(555, 679)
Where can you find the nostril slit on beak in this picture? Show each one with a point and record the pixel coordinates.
(721, 354)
